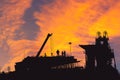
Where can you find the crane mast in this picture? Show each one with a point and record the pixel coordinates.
(43, 44)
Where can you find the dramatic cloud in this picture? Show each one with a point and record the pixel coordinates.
(11, 13)
(24, 25)
(77, 20)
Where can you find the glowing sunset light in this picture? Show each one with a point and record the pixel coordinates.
(24, 26)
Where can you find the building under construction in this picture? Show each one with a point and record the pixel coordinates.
(100, 64)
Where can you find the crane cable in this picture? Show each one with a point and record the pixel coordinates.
(51, 45)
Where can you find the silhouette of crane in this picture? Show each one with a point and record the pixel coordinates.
(43, 44)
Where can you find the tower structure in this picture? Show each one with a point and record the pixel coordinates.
(100, 54)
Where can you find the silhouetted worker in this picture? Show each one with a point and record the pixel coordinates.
(45, 55)
(51, 54)
(64, 53)
(57, 52)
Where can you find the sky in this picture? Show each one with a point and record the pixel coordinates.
(24, 24)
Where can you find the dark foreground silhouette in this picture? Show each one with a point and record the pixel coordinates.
(100, 64)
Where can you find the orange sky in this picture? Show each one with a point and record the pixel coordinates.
(25, 25)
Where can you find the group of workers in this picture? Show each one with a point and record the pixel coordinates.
(63, 53)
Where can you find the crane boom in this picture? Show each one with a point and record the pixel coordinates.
(43, 44)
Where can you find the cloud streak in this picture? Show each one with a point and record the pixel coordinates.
(10, 21)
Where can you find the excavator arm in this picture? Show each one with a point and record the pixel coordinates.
(43, 44)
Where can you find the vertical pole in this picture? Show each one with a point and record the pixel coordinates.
(51, 45)
(70, 48)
